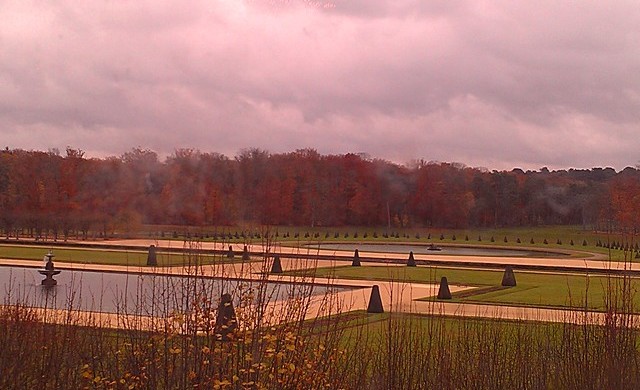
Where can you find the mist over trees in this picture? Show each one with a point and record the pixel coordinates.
(63, 192)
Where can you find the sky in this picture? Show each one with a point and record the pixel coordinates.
(493, 84)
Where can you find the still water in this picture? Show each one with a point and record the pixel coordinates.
(444, 250)
(113, 292)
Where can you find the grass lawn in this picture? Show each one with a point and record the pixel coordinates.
(557, 237)
(535, 289)
(97, 256)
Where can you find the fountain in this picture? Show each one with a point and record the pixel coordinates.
(48, 271)
(433, 247)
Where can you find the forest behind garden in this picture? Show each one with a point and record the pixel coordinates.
(64, 192)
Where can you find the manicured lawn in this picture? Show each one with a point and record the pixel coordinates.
(557, 237)
(97, 256)
(536, 289)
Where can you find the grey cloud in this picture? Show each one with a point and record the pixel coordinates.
(517, 84)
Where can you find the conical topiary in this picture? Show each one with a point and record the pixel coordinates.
(276, 267)
(230, 252)
(356, 259)
(152, 259)
(245, 253)
(508, 278)
(226, 318)
(443, 291)
(375, 302)
(411, 262)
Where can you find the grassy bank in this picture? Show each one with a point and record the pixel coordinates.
(104, 256)
(533, 289)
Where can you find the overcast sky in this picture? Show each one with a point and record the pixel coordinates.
(495, 84)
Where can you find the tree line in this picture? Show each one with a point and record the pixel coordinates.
(63, 192)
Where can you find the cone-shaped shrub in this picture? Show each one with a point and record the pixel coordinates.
(230, 253)
(356, 259)
(151, 256)
(411, 262)
(584, 242)
(276, 267)
(508, 278)
(375, 302)
(532, 242)
(245, 253)
(443, 291)
(226, 319)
